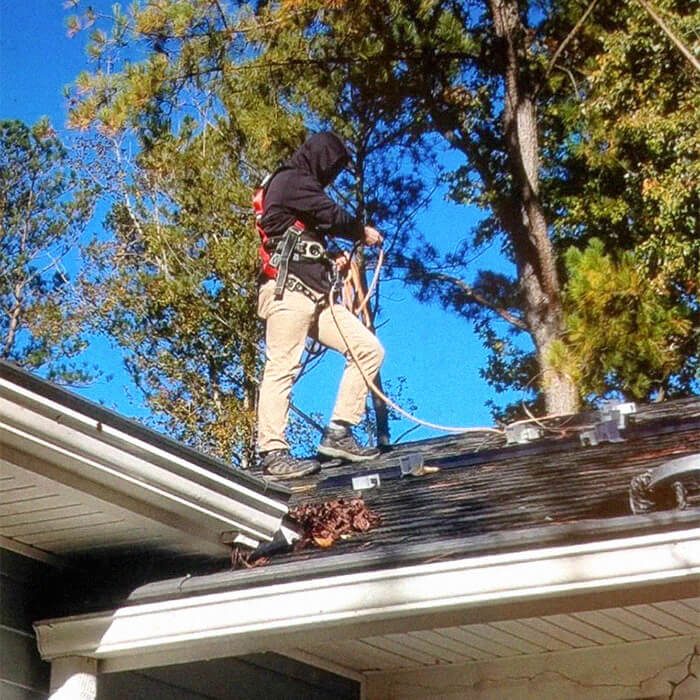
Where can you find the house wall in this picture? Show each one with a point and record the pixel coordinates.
(23, 675)
(25, 596)
(648, 670)
(256, 677)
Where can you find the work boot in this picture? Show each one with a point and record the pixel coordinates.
(279, 464)
(340, 443)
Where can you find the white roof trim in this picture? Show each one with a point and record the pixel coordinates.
(97, 456)
(242, 621)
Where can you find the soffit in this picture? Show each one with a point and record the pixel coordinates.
(43, 515)
(76, 478)
(508, 639)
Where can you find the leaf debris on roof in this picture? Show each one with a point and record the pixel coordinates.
(326, 522)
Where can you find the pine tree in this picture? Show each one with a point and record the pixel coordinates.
(629, 200)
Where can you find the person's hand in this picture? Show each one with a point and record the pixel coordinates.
(372, 236)
(342, 262)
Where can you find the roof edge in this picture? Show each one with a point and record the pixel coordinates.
(70, 445)
(71, 401)
(361, 603)
(402, 554)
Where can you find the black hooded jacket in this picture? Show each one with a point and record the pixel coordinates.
(295, 192)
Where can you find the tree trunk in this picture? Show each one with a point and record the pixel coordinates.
(381, 415)
(523, 217)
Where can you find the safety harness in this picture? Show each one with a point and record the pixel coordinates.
(277, 252)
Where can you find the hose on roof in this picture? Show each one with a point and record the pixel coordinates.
(364, 299)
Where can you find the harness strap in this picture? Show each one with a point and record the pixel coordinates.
(280, 259)
(303, 250)
(294, 284)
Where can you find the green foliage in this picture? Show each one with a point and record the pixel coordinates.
(176, 289)
(633, 155)
(623, 335)
(212, 94)
(629, 182)
(44, 207)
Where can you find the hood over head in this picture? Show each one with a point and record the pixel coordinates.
(323, 155)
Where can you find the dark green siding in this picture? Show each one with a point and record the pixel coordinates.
(23, 675)
(256, 677)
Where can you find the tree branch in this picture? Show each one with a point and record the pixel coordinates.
(12, 327)
(571, 78)
(667, 31)
(568, 38)
(221, 14)
(482, 300)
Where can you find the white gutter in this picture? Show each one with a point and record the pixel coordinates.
(97, 458)
(343, 606)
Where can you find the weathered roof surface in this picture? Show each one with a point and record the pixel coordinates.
(486, 497)
(485, 486)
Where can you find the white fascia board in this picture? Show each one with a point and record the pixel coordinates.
(101, 454)
(298, 612)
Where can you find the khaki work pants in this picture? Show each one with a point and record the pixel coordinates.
(290, 320)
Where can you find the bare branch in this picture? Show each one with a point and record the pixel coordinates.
(221, 14)
(669, 33)
(569, 37)
(482, 300)
(571, 78)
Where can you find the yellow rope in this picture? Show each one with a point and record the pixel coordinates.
(351, 298)
(352, 291)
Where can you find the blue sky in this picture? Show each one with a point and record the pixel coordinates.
(436, 352)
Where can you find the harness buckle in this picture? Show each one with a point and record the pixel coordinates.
(313, 250)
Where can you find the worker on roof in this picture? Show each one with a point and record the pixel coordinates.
(295, 217)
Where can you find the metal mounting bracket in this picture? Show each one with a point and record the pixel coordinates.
(412, 464)
(522, 433)
(369, 481)
(617, 410)
(601, 432)
(612, 417)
